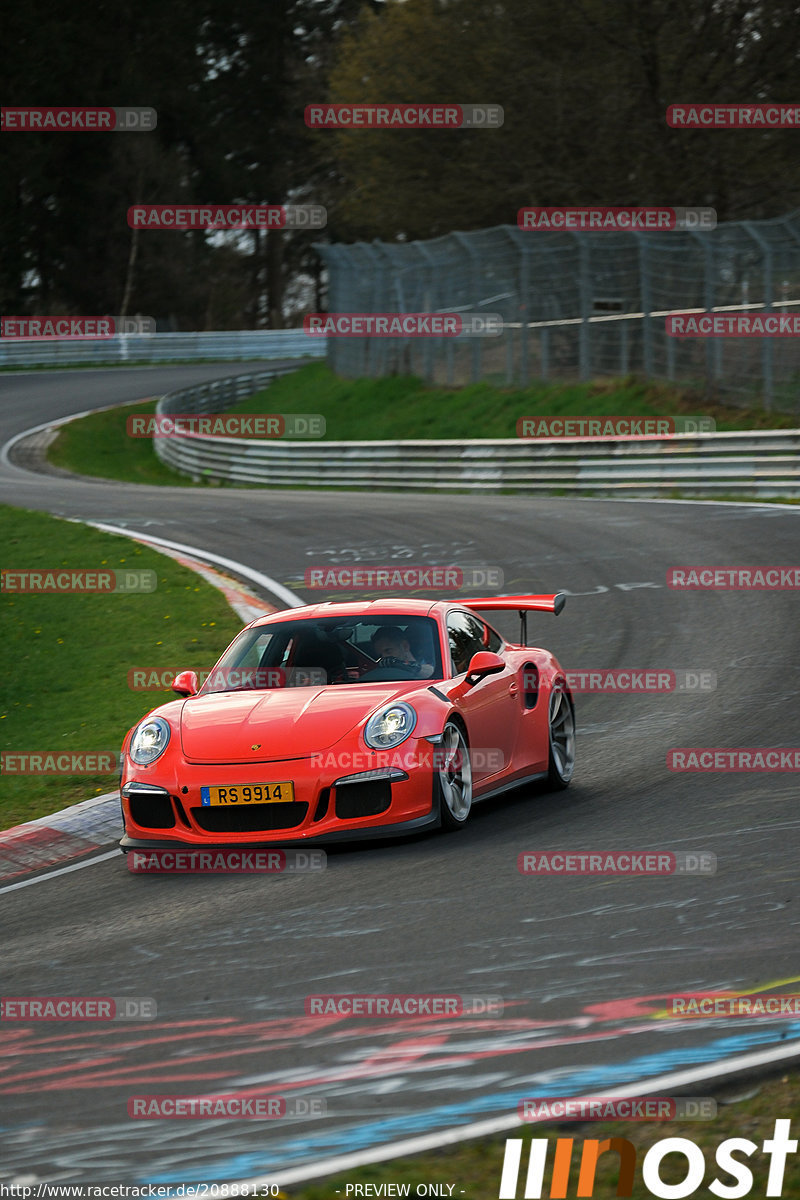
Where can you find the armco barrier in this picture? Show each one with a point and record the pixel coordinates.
(215, 396)
(750, 464)
(162, 347)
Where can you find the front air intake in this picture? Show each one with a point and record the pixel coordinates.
(367, 799)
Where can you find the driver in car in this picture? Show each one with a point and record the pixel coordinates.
(392, 648)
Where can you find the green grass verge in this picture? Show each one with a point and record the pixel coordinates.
(401, 407)
(65, 658)
(475, 1167)
(99, 445)
(394, 409)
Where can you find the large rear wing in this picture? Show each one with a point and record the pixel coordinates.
(522, 604)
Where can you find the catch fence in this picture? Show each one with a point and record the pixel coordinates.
(579, 306)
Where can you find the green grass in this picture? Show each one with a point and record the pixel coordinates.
(65, 658)
(99, 445)
(475, 1167)
(393, 409)
(401, 407)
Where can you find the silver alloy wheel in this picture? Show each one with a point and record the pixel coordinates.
(562, 735)
(455, 774)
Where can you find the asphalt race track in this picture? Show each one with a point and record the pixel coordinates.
(583, 965)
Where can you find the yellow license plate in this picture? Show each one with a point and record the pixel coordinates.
(248, 793)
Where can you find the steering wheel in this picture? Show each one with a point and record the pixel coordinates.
(390, 661)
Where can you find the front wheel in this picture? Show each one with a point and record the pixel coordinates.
(453, 777)
(561, 729)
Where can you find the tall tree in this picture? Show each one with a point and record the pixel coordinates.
(228, 81)
(585, 90)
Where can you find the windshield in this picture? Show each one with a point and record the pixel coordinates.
(333, 650)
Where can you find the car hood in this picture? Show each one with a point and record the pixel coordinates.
(256, 726)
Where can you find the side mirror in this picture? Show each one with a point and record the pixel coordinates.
(185, 684)
(482, 664)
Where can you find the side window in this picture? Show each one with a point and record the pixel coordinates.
(465, 634)
(495, 641)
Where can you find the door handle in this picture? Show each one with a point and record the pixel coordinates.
(512, 689)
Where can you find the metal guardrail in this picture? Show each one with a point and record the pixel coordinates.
(162, 347)
(751, 464)
(216, 396)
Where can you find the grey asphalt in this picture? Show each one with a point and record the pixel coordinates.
(584, 965)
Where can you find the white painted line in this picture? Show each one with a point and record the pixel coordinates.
(449, 1137)
(57, 422)
(265, 581)
(12, 887)
(765, 504)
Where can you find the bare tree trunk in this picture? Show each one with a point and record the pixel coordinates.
(255, 285)
(126, 295)
(275, 278)
(318, 287)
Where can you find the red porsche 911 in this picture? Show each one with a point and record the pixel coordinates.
(340, 720)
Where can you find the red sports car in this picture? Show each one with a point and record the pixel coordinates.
(334, 721)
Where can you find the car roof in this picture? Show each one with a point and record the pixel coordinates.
(403, 606)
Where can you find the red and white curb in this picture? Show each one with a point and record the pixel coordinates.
(93, 824)
(60, 838)
(242, 601)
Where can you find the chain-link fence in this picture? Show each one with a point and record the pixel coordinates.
(579, 305)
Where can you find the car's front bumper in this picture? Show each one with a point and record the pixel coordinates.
(351, 834)
(162, 808)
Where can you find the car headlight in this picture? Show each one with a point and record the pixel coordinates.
(389, 727)
(149, 741)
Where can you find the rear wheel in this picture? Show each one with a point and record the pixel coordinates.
(453, 777)
(561, 730)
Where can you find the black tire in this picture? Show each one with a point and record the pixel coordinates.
(453, 777)
(561, 738)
